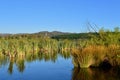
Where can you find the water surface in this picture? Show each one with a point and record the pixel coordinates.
(50, 67)
(60, 69)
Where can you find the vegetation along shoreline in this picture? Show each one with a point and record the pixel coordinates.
(87, 49)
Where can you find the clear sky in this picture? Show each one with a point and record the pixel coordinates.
(29, 16)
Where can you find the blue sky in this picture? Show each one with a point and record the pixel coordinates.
(29, 16)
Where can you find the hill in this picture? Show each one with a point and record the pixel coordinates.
(54, 35)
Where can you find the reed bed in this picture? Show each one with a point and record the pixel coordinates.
(105, 46)
(20, 47)
(93, 56)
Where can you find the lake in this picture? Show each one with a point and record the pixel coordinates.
(57, 67)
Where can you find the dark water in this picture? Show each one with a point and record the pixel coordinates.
(47, 67)
(96, 74)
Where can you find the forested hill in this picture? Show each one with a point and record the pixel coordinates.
(74, 36)
(51, 34)
(54, 35)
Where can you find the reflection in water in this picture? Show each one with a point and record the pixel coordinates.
(96, 74)
(78, 74)
(20, 64)
(10, 69)
(19, 61)
(3, 60)
(66, 55)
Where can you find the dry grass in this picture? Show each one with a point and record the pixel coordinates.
(113, 52)
(82, 58)
(95, 55)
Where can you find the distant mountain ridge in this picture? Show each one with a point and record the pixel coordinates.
(43, 33)
(53, 33)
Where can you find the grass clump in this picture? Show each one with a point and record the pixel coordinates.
(93, 56)
(82, 58)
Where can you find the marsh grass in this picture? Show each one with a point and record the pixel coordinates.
(86, 52)
(3, 59)
(93, 56)
(82, 58)
(21, 47)
(113, 54)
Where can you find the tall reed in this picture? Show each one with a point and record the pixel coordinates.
(95, 55)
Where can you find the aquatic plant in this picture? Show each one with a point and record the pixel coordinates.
(93, 56)
(83, 58)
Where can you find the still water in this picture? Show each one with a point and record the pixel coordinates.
(57, 67)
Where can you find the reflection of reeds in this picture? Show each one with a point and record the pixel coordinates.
(95, 74)
(3, 59)
(20, 63)
(11, 65)
(82, 74)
